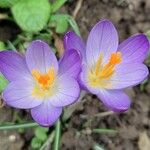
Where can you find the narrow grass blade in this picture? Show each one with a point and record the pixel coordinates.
(18, 126)
(105, 131)
(57, 4)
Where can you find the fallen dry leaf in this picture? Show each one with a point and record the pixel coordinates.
(58, 42)
(144, 141)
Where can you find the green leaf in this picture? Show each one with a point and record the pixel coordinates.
(62, 26)
(2, 46)
(40, 133)
(47, 37)
(56, 21)
(36, 143)
(43, 129)
(47, 143)
(74, 25)
(32, 15)
(11, 46)
(3, 82)
(57, 4)
(60, 23)
(7, 3)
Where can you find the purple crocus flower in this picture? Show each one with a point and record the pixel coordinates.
(107, 67)
(38, 82)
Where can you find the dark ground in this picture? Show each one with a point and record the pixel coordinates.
(129, 16)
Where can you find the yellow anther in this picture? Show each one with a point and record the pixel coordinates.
(102, 73)
(98, 64)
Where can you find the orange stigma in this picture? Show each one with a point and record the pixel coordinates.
(44, 80)
(102, 72)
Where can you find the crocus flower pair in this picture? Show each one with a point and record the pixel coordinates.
(39, 82)
(108, 68)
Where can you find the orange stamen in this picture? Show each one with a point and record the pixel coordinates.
(115, 58)
(44, 80)
(99, 76)
(108, 69)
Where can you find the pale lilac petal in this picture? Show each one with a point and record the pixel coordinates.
(67, 92)
(70, 64)
(134, 49)
(115, 100)
(12, 65)
(18, 94)
(73, 41)
(40, 56)
(103, 38)
(127, 75)
(83, 80)
(46, 114)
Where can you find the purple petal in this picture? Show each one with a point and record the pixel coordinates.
(70, 64)
(67, 92)
(134, 49)
(115, 100)
(84, 82)
(18, 94)
(81, 82)
(73, 41)
(12, 65)
(40, 56)
(127, 75)
(103, 38)
(46, 114)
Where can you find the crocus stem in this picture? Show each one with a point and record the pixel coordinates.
(18, 126)
(57, 135)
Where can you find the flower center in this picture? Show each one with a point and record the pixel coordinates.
(45, 82)
(99, 75)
